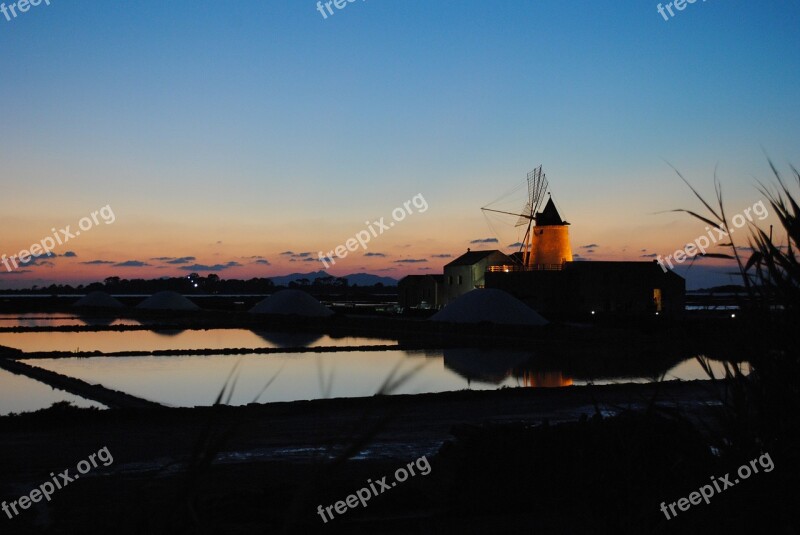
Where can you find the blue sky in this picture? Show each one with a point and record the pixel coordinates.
(224, 130)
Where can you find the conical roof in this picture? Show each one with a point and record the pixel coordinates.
(97, 299)
(489, 305)
(550, 215)
(167, 301)
(292, 303)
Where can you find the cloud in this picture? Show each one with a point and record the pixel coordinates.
(175, 260)
(294, 256)
(262, 261)
(651, 255)
(423, 268)
(590, 246)
(379, 255)
(182, 260)
(589, 251)
(443, 255)
(15, 272)
(215, 267)
(485, 240)
(516, 244)
(92, 262)
(70, 254)
(38, 260)
(410, 260)
(131, 263)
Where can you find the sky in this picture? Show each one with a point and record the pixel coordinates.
(245, 138)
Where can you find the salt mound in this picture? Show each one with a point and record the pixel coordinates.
(97, 300)
(489, 305)
(292, 303)
(167, 301)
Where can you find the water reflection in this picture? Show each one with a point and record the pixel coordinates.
(188, 381)
(168, 332)
(40, 319)
(545, 379)
(120, 341)
(486, 365)
(21, 394)
(288, 339)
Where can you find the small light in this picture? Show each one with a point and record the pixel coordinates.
(656, 313)
(592, 312)
(195, 285)
(733, 315)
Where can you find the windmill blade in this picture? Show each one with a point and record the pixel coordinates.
(537, 187)
(524, 218)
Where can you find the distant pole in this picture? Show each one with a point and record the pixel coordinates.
(770, 233)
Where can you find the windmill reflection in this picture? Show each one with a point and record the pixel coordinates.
(496, 365)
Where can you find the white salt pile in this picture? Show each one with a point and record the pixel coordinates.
(489, 305)
(292, 303)
(167, 301)
(97, 300)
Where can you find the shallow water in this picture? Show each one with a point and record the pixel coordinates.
(47, 319)
(117, 341)
(197, 380)
(21, 394)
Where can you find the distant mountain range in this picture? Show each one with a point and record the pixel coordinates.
(360, 279)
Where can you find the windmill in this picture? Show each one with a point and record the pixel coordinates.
(537, 186)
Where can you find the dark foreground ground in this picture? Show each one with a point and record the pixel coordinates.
(515, 461)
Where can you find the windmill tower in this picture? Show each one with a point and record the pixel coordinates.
(546, 243)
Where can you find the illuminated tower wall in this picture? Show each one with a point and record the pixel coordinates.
(549, 240)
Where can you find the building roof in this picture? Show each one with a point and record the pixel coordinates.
(550, 215)
(473, 257)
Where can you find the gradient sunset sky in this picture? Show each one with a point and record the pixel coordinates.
(233, 137)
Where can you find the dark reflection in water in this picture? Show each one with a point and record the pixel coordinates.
(485, 365)
(169, 332)
(95, 320)
(532, 369)
(288, 339)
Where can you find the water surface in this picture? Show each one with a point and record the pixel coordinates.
(187, 381)
(119, 341)
(21, 394)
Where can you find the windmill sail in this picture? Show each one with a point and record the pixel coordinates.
(536, 189)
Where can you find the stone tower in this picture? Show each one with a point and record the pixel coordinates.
(549, 240)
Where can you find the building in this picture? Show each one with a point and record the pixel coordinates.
(468, 271)
(420, 291)
(582, 288)
(544, 276)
